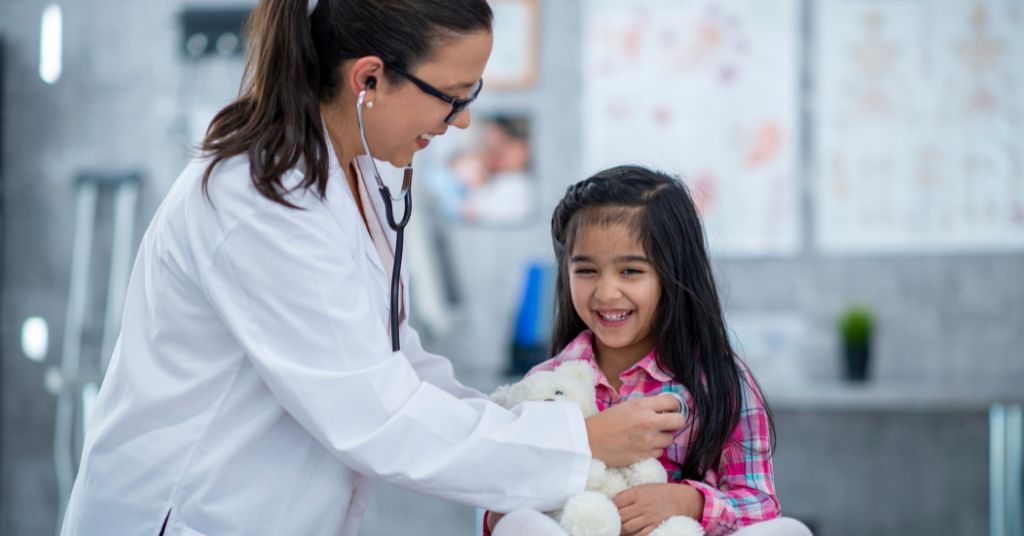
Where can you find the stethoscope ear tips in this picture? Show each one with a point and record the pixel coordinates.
(371, 83)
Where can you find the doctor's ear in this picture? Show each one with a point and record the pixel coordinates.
(364, 75)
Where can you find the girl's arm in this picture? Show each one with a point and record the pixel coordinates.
(744, 492)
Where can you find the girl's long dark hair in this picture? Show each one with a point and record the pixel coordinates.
(293, 65)
(690, 334)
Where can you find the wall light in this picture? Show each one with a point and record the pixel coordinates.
(51, 44)
(35, 338)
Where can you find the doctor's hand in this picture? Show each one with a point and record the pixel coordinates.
(634, 430)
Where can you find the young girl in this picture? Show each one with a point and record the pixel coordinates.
(637, 299)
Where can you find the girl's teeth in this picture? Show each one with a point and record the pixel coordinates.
(615, 317)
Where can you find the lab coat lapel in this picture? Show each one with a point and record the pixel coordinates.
(392, 178)
(381, 234)
(344, 209)
(381, 255)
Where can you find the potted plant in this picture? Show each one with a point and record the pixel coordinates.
(856, 325)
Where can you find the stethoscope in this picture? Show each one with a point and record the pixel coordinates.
(397, 226)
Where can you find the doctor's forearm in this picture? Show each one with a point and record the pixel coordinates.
(475, 452)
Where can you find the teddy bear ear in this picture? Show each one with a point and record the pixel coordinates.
(581, 370)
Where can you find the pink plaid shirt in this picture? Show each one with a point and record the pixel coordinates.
(741, 490)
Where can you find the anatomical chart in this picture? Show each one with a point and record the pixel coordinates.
(920, 131)
(706, 91)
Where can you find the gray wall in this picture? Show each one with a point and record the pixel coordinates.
(119, 105)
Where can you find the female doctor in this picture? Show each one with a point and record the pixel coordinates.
(255, 386)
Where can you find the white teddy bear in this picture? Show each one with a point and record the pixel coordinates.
(592, 512)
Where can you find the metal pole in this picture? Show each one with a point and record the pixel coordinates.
(125, 201)
(1015, 470)
(63, 443)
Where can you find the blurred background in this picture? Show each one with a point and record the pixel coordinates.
(859, 165)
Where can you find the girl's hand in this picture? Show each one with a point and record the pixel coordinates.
(634, 430)
(645, 507)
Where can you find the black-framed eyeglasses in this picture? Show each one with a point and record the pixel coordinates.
(458, 105)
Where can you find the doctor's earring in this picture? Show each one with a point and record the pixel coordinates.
(369, 104)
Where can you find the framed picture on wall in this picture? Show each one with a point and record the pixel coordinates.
(513, 63)
(484, 175)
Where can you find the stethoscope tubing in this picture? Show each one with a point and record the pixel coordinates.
(396, 270)
(397, 225)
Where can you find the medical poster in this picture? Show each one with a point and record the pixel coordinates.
(707, 91)
(920, 131)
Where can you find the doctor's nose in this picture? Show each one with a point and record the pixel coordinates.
(462, 120)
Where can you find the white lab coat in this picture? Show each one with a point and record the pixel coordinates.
(253, 389)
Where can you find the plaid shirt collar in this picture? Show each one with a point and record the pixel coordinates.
(582, 348)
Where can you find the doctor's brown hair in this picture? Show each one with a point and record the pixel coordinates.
(689, 329)
(293, 64)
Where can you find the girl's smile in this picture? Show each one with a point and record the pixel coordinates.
(613, 318)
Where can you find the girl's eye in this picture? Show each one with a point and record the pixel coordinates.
(632, 271)
(585, 271)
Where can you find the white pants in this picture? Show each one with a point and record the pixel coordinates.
(781, 526)
(527, 522)
(531, 523)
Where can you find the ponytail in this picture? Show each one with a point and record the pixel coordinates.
(293, 64)
(276, 120)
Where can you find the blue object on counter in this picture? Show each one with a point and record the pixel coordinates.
(533, 320)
